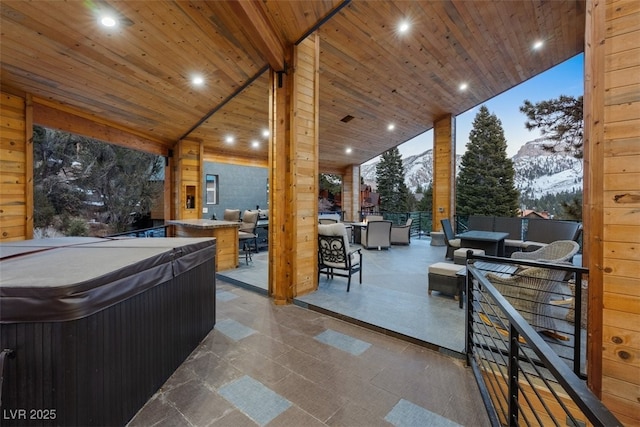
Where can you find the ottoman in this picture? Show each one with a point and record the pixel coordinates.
(443, 278)
(460, 255)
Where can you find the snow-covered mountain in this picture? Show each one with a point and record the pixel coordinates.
(538, 171)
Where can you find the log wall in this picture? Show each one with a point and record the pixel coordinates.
(188, 175)
(304, 164)
(612, 202)
(16, 168)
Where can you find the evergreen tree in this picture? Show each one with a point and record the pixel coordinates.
(427, 199)
(560, 122)
(486, 181)
(394, 194)
(68, 168)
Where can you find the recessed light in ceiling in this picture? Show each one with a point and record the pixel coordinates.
(265, 133)
(391, 127)
(229, 139)
(197, 80)
(348, 150)
(538, 44)
(464, 86)
(255, 144)
(347, 118)
(108, 20)
(403, 27)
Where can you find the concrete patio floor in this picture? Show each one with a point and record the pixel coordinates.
(391, 299)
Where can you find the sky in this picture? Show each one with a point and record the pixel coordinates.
(566, 78)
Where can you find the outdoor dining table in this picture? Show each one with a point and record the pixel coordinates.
(356, 230)
(492, 242)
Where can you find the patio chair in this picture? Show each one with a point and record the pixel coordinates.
(449, 238)
(401, 234)
(335, 257)
(530, 292)
(554, 252)
(231, 215)
(377, 235)
(247, 234)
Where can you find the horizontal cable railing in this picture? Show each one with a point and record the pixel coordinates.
(158, 231)
(528, 374)
(421, 225)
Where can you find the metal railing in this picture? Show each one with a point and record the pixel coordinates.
(526, 379)
(158, 231)
(421, 225)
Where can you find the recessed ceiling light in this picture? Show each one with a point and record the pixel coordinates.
(229, 139)
(391, 126)
(464, 86)
(403, 27)
(348, 150)
(538, 45)
(265, 133)
(108, 21)
(255, 144)
(197, 80)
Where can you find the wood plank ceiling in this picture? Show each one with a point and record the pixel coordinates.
(136, 76)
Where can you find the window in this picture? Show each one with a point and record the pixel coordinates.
(212, 189)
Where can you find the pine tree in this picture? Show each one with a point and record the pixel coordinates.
(560, 122)
(486, 181)
(390, 182)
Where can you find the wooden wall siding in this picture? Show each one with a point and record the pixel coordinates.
(52, 115)
(188, 167)
(612, 203)
(16, 169)
(304, 167)
(621, 211)
(444, 164)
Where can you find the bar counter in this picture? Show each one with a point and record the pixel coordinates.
(225, 232)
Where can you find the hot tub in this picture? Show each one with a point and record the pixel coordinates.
(97, 326)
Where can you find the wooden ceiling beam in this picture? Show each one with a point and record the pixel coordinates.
(51, 117)
(261, 33)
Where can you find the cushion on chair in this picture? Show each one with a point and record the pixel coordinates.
(335, 229)
(455, 243)
(445, 269)
(231, 215)
(249, 221)
(338, 229)
(460, 255)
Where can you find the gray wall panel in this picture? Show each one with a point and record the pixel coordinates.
(239, 187)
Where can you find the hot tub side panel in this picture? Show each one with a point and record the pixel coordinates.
(101, 369)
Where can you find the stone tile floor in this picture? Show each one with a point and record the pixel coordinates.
(271, 365)
(393, 295)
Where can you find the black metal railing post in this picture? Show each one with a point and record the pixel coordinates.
(513, 376)
(577, 322)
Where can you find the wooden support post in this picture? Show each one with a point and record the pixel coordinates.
(444, 171)
(293, 175)
(351, 193)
